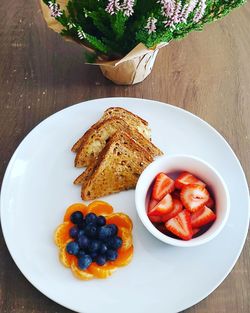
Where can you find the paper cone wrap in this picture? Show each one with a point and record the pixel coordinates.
(131, 71)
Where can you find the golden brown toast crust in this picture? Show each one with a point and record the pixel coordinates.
(96, 138)
(81, 179)
(123, 170)
(129, 117)
(121, 111)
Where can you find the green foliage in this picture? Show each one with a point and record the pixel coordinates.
(118, 22)
(113, 35)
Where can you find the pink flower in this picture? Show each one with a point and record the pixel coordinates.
(151, 25)
(127, 7)
(54, 9)
(187, 9)
(200, 11)
(113, 7)
(176, 13)
(167, 7)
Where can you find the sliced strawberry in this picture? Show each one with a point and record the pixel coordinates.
(210, 203)
(155, 219)
(177, 208)
(163, 207)
(186, 178)
(195, 230)
(162, 185)
(180, 225)
(151, 204)
(202, 217)
(194, 196)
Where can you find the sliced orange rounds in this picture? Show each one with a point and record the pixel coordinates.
(62, 234)
(75, 207)
(126, 236)
(65, 257)
(124, 257)
(85, 275)
(125, 253)
(102, 271)
(120, 219)
(100, 208)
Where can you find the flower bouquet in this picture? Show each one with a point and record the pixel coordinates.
(123, 37)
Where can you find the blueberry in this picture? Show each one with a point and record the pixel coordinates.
(83, 242)
(94, 245)
(103, 248)
(76, 217)
(91, 230)
(114, 229)
(81, 233)
(72, 248)
(73, 232)
(111, 254)
(101, 220)
(104, 232)
(93, 255)
(101, 260)
(81, 225)
(114, 242)
(90, 218)
(84, 262)
(81, 253)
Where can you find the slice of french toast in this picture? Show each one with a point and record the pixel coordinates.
(117, 168)
(98, 136)
(130, 118)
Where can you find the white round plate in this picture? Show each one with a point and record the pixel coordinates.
(37, 188)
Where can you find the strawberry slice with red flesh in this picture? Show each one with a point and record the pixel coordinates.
(210, 203)
(180, 225)
(151, 204)
(177, 208)
(163, 207)
(195, 230)
(162, 186)
(202, 217)
(186, 178)
(194, 196)
(155, 219)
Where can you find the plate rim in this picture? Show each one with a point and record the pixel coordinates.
(70, 107)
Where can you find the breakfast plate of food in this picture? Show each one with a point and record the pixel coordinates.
(124, 204)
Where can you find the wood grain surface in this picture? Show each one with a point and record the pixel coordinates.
(207, 73)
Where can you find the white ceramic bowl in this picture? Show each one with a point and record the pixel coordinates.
(199, 168)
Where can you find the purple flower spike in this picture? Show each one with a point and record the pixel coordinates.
(151, 25)
(54, 9)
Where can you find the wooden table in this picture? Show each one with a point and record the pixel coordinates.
(207, 73)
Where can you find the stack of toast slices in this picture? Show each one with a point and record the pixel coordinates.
(115, 151)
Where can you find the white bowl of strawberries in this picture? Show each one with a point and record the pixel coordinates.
(182, 200)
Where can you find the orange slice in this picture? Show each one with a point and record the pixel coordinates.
(101, 271)
(100, 208)
(121, 220)
(75, 207)
(126, 236)
(65, 258)
(125, 253)
(81, 274)
(61, 234)
(124, 257)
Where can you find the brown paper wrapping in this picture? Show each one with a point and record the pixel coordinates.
(129, 71)
(133, 68)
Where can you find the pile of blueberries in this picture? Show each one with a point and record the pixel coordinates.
(93, 239)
